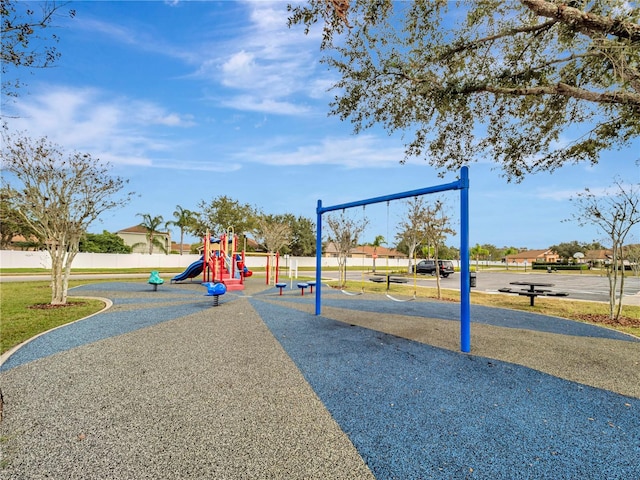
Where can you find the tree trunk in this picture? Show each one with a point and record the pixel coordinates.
(621, 292)
(58, 291)
(612, 290)
(615, 301)
(436, 255)
(61, 260)
(342, 270)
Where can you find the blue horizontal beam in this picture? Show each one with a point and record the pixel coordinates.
(457, 185)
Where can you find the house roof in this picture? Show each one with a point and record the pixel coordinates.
(530, 254)
(602, 254)
(381, 251)
(367, 251)
(139, 229)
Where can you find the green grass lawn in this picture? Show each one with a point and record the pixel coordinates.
(19, 321)
(570, 309)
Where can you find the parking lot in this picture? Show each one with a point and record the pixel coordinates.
(590, 287)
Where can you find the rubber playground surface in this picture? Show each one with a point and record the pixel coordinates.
(164, 385)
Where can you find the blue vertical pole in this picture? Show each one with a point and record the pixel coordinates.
(465, 281)
(319, 258)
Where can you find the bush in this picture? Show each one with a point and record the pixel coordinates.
(559, 266)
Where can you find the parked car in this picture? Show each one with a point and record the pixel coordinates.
(429, 267)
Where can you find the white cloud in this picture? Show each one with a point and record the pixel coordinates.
(263, 105)
(363, 151)
(265, 60)
(116, 130)
(273, 68)
(562, 195)
(239, 69)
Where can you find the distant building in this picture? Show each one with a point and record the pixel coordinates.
(136, 238)
(366, 251)
(597, 257)
(532, 256)
(18, 242)
(175, 248)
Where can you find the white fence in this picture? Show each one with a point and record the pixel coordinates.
(41, 259)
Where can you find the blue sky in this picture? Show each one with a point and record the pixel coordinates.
(193, 100)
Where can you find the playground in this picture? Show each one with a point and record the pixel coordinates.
(164, 385)
(252, 380)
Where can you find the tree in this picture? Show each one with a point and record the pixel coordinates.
(223, 212)
(477, 252)
(184, 220)
(303, 236)
(152, 226)
(59, 195)
(378, 241)
(104, 242)
(449, 253)
(12, 223)
(487, 78)
(272, 232)
(344, 233)
(23, 33)
(436, 224)
(567, 250)
(615, 214)
(632, 254)
(412, 231)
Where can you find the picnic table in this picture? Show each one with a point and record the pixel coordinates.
(532, 291)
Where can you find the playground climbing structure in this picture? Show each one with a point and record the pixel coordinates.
(222, 263)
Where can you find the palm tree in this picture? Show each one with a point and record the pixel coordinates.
(478, 251)
(379, 240)
(184, 220)
(151, 225)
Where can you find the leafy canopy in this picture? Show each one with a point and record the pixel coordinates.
(487, 78)
(26, 43)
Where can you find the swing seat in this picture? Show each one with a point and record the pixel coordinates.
(398, 280)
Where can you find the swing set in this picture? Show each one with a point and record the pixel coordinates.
(461, 184)
(380, 278)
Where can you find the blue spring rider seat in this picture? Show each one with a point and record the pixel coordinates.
(215, 290)
(155, 280)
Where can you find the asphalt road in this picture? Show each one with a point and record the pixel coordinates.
(590, 287)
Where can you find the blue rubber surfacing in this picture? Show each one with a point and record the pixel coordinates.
(112, 322)
(417, 411)
(414, 410)
(499, 317)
